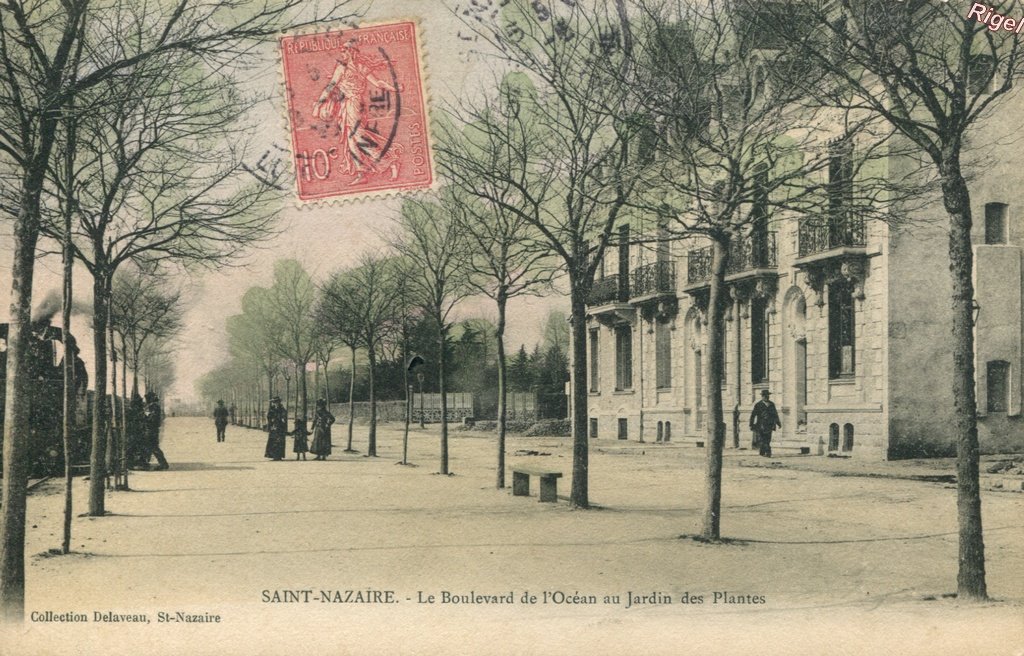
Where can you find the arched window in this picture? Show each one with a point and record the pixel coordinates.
(848, 437)
(833, 437)
(661, 431)
(668, 431)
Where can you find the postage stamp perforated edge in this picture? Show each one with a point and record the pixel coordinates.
(286, 122)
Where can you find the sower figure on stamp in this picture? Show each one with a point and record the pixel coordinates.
(154, 416)
(277, 428)
(220, 420)
(764, 419)
(322, 421)
(343, 101)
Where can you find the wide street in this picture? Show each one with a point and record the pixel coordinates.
(273, 548)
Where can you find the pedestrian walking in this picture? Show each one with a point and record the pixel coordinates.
(301, 442)
(764, 419)
(233, 410)
(138, 434)
(154, 417)
(220, 420)
(322, 421)
(277, 429)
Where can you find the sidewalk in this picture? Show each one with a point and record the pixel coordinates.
(226, 533)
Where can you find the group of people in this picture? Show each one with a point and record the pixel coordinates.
(277, 429)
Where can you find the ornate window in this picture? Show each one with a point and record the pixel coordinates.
(759, 339)
(841, 330)
(663, 352)
(623, 358)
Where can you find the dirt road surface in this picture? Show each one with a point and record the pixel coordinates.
(361, 555)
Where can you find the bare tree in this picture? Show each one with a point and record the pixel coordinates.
(287, 307)
(508, 257)
(434, 246)
(364, 298)
(144, 191)
(142, 309)
(50, 52)
(731, 143)
(933, 82)
(563, 128)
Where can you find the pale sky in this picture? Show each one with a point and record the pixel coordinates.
(323, 238)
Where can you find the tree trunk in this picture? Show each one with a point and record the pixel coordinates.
(123, 466)
(99, 399)
(112, 426)
(19, 380)
(304, 395)
(351, 401)
(69, 379)
(371, 449)
(971, 572)
(408, 393)
(442, 365)
(327, 384)
(579, 495)
(715, 425)
(502, 389)
(16, 424)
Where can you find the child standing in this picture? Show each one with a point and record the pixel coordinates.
(300, 433)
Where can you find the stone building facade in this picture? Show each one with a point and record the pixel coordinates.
(847, 324)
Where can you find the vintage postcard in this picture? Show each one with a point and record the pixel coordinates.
(654, 327)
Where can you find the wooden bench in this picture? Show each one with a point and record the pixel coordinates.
(548, 481)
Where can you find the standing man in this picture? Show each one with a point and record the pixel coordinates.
(153, 418)
(220, 420)
(232, 410)
(764, 419)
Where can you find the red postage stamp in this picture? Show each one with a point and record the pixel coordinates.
(357, 112)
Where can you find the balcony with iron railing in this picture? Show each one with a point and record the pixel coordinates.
(608, 290)
(840, 234)
(747, 256)
(653, 280)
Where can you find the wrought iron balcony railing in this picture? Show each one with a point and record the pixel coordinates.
(753, 252)
(608, 290)
(654, 278)
(835, 232)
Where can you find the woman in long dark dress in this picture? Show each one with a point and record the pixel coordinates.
(322, 421)
(277, 428)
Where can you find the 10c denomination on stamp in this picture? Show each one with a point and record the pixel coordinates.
(357, 111)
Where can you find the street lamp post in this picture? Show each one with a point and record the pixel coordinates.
(413, 366)
(419, 377)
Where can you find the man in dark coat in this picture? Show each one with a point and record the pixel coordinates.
(153, 418)
(220, 420)
(764, 419)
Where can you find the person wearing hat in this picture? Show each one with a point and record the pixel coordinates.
(153, 418)
(322, 420)
(277, 429)
(764, 419)
(220, 420)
